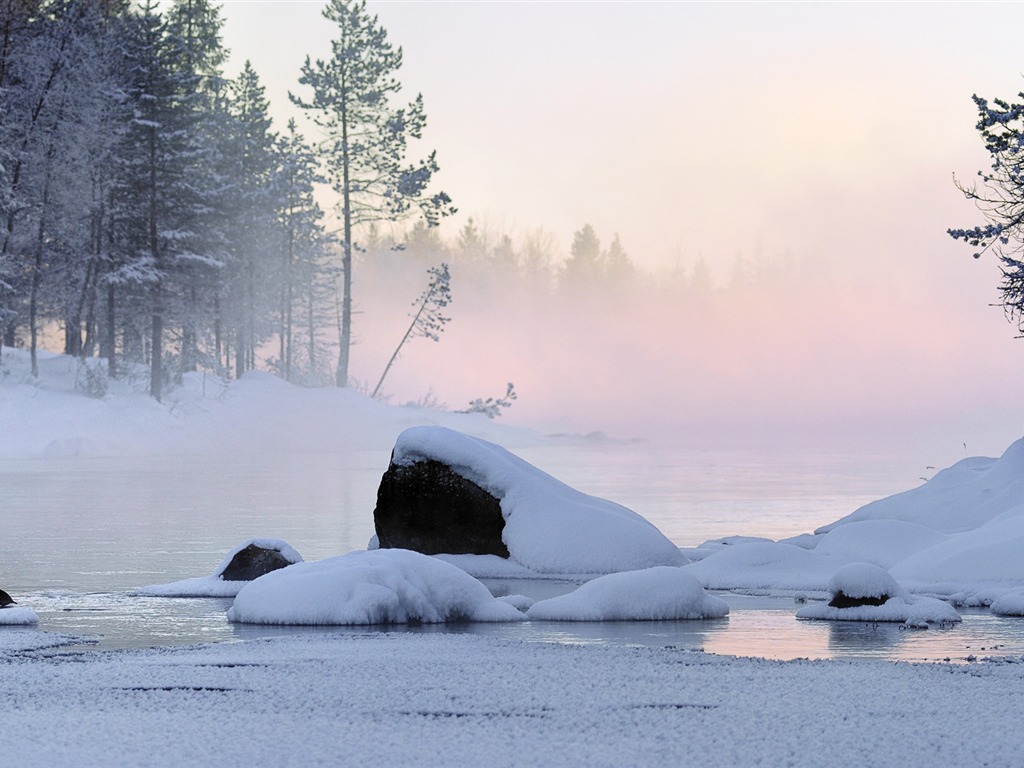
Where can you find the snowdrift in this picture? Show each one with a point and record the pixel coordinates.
(959, 536)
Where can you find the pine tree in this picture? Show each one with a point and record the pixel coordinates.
(1000, 197)
(303, 248)
(583, 268)
(367, 139)
(252, 237)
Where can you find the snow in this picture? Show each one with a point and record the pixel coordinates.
(215, 585)
(1009, 603)
(860, 580)
(865, 580)
(660, 593)
(53, 415)
(958, 536)
(402, 699)
(12, 615)
(917, 612)
(382, 586)
(16, 639)
(549, 527)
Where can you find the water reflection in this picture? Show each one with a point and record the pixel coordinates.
(80, 535)
(756, 626)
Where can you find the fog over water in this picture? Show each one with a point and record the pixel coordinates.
(803, 155)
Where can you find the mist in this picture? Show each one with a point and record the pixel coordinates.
(839, 351)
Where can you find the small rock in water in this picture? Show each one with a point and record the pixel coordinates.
(6, 599)
(252, 562)
(842, 600)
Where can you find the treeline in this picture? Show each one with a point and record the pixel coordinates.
(146, 207)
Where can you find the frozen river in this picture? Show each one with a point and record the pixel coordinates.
(79, 535)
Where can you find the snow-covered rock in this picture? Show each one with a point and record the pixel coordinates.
(549, 527)
(866, 592)
(217, 585)
(382, 586)
(652, 594)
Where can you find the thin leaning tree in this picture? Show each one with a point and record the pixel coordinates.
(366, 140)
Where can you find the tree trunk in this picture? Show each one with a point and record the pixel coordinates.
(108, 341)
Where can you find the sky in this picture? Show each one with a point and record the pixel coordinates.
(827, 132)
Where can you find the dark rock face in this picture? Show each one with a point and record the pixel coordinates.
(252, 562)
(842, 600)
(428, 508)
(6, 599)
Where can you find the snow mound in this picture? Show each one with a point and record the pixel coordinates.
(882, 542)
(383, 586)
(1009, 603)
(860, 581)
(549, 527)
(958, 536)
(519, 602)
(961, 498)
(918, 612)
(652, 594)
(215, 586)
(765, 567)
(19, 617)
(864, 580)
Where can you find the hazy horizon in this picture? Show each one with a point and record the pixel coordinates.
(825, 134)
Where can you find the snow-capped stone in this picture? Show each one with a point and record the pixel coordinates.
(548, 526)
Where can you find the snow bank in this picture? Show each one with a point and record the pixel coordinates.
(1009, 603)
(765, 567)
(383, 586)
(17, 616)
(660, 593)
(549, 527)
(54, 415)
(215, 585)
(958, 536)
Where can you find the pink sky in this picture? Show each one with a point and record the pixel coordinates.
(826, 131)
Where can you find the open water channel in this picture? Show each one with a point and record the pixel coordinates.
(79, 535)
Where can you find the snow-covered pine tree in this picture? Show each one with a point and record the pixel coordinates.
(252, 272)
(196, 59)
(367, 139)
(1000, 197)
(304, 283)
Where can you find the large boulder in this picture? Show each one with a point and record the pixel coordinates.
(429, 508)
(5, 599)
(449, 493)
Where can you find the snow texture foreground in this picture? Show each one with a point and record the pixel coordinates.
(350, 697)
